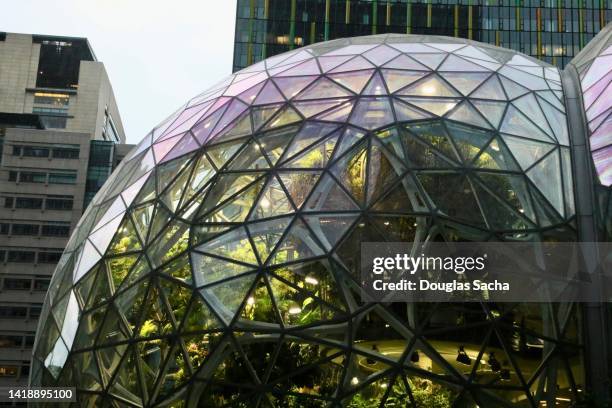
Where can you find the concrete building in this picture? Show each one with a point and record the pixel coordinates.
(61, 135)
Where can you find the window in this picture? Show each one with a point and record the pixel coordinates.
(65, 153)
(28, 203)
(29, 341)
(49, 257)
(4, 228)
(62, 178)
(51, 98)
(21, 256)
(32, 151)
(10, 341)
(17, 284)
(55, 230)
(32, 177)
(61, 204)
(54, 122)
(25, 229)
(8, 202)
(12, 176)
(41, 284)
(8, 370)
(13, 312)
(16, 150)
(35, 311)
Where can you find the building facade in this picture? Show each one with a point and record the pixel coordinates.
(61, 135)
(553, 31)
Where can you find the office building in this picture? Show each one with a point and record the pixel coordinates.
(60, 136)
(221, 265)
(552, 31)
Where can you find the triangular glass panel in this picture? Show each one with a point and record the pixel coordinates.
(422, 155)
(467, 114)
(512, 189)
(316, 156)
(436, 106)
(174, 193)
(312, 108)
(465, 82)
(518, 124)
(329, 196)
(491, 110)
(309, 134)
(371, 113)
(269, 94)
(208, 270)
(499, 214)
(355, 80)
(376, 86)
(298, 244)
(435, 134)
(469, 141)
(355, 64)
(160, 220)
(167, 172)
(432, 85)
(250, 158)
(351, 137)
(284, 117)
(172, 242)
(380, 54)
(331, 62)
(557, 121)
(234, 244)
(293, 85)
(330, 228)
(405, 62)
(266, 234)
(350, 170)
(228, 185)
(513, 90)
(474, 52)
(272, 202)
(491, 89)
(100, 240)
(396, 201)
(142, 217)
(398, 79)
(526, 151)
(262, 114)
(200, 317)
(528, 105)
(546, 175)
(309, 67)
(384, 170)
(431, 60)
(446, 190)
(530, 81)
(250, 94)
(299, 184)
(496, 156)
(404, 112)
(339, 114)
(126, 239)
(227, 297)
(275, 142)
(547, 216)
(126, 384)
(242, 127)
(323, 88)
(454, 63)
(260, 307)
(550, 97)
(237, 209)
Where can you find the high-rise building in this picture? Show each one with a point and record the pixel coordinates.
(60, 137)
(553, 31)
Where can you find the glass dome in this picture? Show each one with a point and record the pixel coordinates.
(219, 264)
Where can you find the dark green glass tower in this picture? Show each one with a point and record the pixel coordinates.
(551, 30)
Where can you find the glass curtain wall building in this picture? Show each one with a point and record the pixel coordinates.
(219, 265)
(551, 30)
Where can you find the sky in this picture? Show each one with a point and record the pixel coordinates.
(157, 53)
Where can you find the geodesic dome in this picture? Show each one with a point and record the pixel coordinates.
(219, 264)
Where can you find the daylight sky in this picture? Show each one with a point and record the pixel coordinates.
(157, 53)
